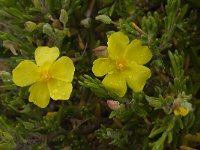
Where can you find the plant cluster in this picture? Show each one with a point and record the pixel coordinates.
(128, 75)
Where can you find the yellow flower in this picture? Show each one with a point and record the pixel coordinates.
(124, 65)
(181, 111)
(48, 77)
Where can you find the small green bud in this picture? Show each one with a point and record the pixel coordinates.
(63, 17)
(30, 26)
(86, 22)
(103, 18)
(5, 76)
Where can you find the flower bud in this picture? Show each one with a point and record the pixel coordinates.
(114, 105)
(100, 51)
(30, 26)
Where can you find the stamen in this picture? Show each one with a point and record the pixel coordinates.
(45, 76)
(120, 64)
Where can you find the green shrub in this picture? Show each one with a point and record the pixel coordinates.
(163, 116)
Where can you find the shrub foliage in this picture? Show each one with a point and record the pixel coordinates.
(144, 120)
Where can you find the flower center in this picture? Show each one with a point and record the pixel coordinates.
(45, 76)
(120, 64)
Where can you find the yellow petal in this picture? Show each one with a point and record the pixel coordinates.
(26, 73)
(39, 94)
(136, 77)
(44, 54)
(102, 66)
(138, 53)
(59, 90)
(115, 83)
(181, 111)
(63, 69)
(117, 43)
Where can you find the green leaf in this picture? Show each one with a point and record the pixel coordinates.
(47, 29)
(155, 131)
(154, 102)
(28, 125)
(170, 137)
(159, 144)
(104, 18)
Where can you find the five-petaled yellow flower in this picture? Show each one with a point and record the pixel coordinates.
(48, 77)
(124, 65)
(181, 111)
